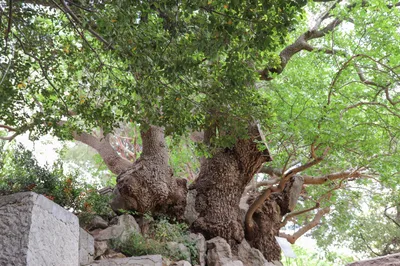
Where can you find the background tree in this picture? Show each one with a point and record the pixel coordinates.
(318, 103)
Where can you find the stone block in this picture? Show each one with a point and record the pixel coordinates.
(36, 231)
(86, 247)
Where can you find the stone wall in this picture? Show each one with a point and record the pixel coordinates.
(36, 231)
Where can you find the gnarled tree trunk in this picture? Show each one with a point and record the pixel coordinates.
(268, 217)
(148, 185)
(220, 185)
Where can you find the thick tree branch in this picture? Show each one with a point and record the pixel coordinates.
(249, 223)
(10, 129)
(270, 171)
(317, 219)
(269, 182)
(114, 162)
(301, 44)
(301, 168)
(293, 214)
(319, 180)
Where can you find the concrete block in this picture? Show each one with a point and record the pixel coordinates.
(36, 231)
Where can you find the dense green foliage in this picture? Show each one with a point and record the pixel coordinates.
(171, 73)
(20, 171)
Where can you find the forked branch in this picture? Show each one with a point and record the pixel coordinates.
(317, 219)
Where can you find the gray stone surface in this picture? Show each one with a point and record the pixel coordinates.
(149, 260)
(97, 223)
(251, 256)
(36, 231)
(100, 247)
(389, 260)
(181, 263)
(201, 247)
(179, 249)
(86, 247)
(219, 253)
(123, 227)
(191, 214)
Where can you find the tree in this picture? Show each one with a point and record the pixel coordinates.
(309, 108)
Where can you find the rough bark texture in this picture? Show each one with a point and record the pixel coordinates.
(149, 186)
(267, 219)
(219, 187)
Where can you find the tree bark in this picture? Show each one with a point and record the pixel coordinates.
(148, 185)
(267, 218)
(220, 184)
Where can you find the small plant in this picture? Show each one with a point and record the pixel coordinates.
(138, 245)
(157, 241)
(166, 231)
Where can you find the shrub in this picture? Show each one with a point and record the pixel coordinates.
(156, 242)
(20, 172)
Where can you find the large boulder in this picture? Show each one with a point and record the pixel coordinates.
(122, 227)
(251, 256)
(36, 231)
(178, 249)
(120, 230)
(97, 223)
(389, 260)
(201, 247)
(219, 253)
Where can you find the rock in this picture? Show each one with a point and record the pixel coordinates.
(145, 223)
(219, 253)
(100, 247)
(251, 256)
(275, 263)
(190, 212)
(181, 263)
(97, 223)
(36, 231)
(86, 247)
(121, 229)
(179, 250)
(200, 246)
(149, 260)
(389, 260)
(111, 254)
(118, 203)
